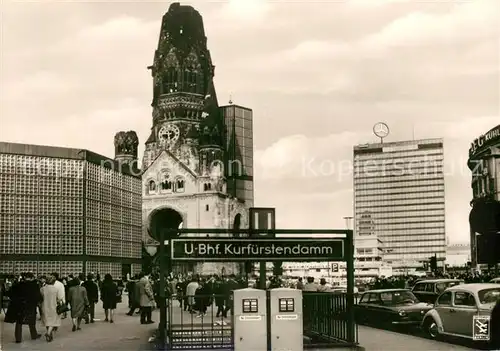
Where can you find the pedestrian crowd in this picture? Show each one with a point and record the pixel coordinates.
(407, 281)
(52, 299)
(193, 293)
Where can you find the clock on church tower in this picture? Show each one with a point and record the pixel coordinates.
(169, 134)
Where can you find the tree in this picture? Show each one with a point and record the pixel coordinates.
(277, 268)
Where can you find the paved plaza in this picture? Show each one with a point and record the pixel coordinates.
(125, 334)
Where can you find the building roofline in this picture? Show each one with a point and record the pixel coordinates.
(238, 106)
(377, 147)
(69, 154)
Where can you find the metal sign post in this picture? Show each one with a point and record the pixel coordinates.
(335, 245)
(262, 218)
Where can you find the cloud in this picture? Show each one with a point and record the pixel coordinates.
(246, 9)
(317, 75)
(298, 156)
(406, 58)
(468, 21)
(120, 28)
(40, 83)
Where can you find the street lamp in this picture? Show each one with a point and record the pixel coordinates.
(151, 249)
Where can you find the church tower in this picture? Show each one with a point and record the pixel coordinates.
(183, 163)
(126, 146)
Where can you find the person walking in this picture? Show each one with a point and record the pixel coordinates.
(2, 294)
(52, 296)
(323, 287)
(78, 300)
(230, 285)
(190, 294)
(109, 297)
(134, 296)
(93, 297)
(220, 298)
(61, 287)
(24, 299)
(146, 299)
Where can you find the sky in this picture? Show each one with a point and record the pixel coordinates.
(317, 74)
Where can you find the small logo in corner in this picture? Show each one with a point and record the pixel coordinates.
(481, 328)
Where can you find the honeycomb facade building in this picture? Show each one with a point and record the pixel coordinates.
(69, 210)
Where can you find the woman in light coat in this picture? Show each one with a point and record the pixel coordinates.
(146, 299)
(52, 297)
(78, 300)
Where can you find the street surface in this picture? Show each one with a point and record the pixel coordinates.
(128, 334)
(125, 334)
(374, 339)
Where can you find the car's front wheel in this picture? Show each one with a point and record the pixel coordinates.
(431, 328)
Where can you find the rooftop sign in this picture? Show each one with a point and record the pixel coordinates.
(490, 138)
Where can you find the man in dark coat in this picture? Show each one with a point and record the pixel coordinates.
(495, 327)
(181, 293)
(93, 296)
(230, 285)
(133, 296)
(24, 299)
(219, 296)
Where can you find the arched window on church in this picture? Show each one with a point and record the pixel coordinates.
(207, 187)
(151, 186)
(185, 79)
(166, 184)
(170, 81)
(179, 185)
(193, 81)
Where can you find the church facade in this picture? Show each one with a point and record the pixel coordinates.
(186, 159)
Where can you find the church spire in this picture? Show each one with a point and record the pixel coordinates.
(183, 72)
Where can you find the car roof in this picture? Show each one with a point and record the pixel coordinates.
(474, 287)
(439, 280)
(385, 290)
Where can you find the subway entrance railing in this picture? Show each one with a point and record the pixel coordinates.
(328, 318)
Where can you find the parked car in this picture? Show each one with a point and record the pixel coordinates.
(339, 289)
(454, 310)
(429, 290)
(390, 306)
(495, 280)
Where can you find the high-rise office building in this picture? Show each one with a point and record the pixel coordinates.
(239, 155)
(69, 211)
(399, 198)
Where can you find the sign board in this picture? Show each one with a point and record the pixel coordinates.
(250, 318)
(265, 249)
(481, 328)
(492, 137)
(335, 267)
(286, 317)
(262, 218)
